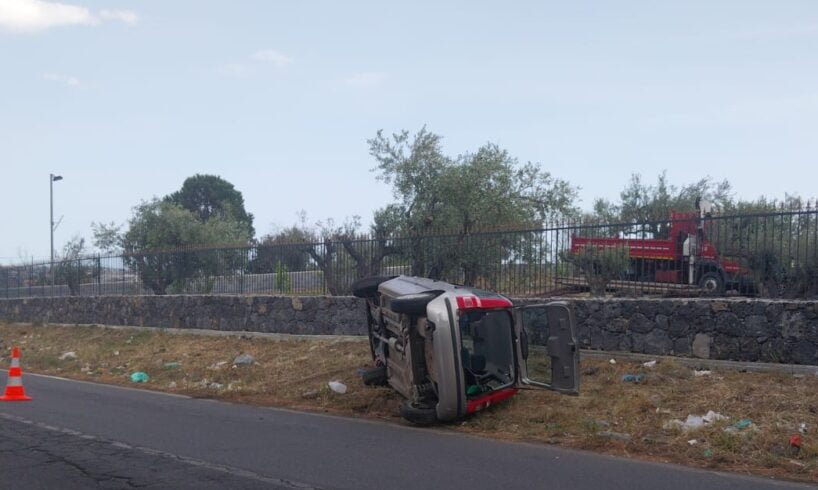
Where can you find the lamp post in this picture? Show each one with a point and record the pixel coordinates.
(51, 179)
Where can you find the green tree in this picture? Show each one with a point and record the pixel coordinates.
(460, 196)
(107, 237)
(285, 247)
(651, 205)
(159, 243)
(210, 196)
(72, 268)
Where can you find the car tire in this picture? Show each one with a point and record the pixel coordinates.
(413, 304)
(417, 415)
(712, 284)
(374, 376)
(368, 286)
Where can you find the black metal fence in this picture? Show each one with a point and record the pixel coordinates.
(773, 254)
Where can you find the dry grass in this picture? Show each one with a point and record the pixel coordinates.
(609, 416)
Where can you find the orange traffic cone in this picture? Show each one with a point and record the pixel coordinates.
(14, 387)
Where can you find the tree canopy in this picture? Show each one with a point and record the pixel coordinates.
(157, 225)
(210, 196)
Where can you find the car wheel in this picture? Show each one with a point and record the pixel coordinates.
(417, 415)
(712, 284)
(412, 304)
(368, 286)
(374, 376)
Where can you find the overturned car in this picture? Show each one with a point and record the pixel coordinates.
(452, 350)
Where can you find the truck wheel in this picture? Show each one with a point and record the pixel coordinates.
(712, 284)
(417, 415)
(368, 286)
(413, 304)
(374, 376)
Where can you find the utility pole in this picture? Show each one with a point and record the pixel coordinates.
(51, 179)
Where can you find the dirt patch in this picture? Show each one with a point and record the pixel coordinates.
(764, 410)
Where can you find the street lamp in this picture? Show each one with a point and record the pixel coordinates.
(51, 179)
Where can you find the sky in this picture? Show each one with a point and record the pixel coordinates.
(125, 99)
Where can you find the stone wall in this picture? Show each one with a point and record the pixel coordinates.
(311, 315)
(728, 329)
(735, 329)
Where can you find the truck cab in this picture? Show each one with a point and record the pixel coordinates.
(452, 350)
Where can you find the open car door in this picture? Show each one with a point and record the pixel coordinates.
(547, 350)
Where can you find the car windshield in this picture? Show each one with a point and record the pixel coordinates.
(486, 350)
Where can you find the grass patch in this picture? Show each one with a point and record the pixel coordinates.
(609, 415)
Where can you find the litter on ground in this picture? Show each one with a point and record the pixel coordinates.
(649, 364)
(244, 360)
(694, 422)
(337, 387)
(703, 372)
(140, 377)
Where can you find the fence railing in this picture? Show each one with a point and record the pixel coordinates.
(770, 254)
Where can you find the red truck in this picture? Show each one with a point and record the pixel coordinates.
(687, 257)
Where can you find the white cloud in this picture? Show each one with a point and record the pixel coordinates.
(64, 79)
(38, 15)
(366, 79)
(126, 16)
(272, 56)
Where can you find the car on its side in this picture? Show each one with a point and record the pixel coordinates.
(453, 350)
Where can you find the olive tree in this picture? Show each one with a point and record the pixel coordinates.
(454, 198)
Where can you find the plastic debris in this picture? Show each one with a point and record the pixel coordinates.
(662, 410)
(694, 422)
(649, 364)
(217, 365)
(692, 442)
(337, 387)
(633, 378)
(215, 386)
(708, 453)
(612, 361)
(795, 441)
(802, 427)
(116, 352)
(140, 377)
(703, 372)
(740, 426)
(68, 355)
(172, 365)
(712, 416)
(244, 360)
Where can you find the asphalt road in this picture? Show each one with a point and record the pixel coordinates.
(84, 435)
